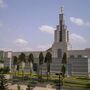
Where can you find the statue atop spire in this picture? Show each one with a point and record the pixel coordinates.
(62, 9)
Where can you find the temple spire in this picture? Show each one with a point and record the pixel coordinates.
(61, 9)
(61, 18)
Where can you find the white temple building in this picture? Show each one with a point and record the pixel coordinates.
(78, 60)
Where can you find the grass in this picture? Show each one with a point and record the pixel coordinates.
(79, 82)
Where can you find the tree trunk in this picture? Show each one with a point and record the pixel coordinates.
(15, 69)
(18, 69)
(23, 66)
(22, 75)
(47, 76)
(29, 70)
(18, 72)
(41, 71)
(47, 71)
(31, 67)
(15, 72)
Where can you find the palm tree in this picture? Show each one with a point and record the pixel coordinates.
(22, 59)
(48, 60)
(31, 60)
(41, 58)
(64, 63)
(15, 60)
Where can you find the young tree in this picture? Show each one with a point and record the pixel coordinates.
(48, 60)
(64, 64)
(63, 70)
(31, 61)
(41, 58)
(18, 68)
(64, 59)
(22, 59)
(15, 60)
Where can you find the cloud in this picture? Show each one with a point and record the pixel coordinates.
(2, 4)
(6, 49)
(21, 45)
(77, 21)
(88, 24)
(77, 41)
(22, 49)
(47, 29)
(20, 41)
(75, 38)
(43, 47)
(17, 49)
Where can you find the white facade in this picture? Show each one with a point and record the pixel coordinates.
(78, 53)
(79, 66)
(61, 36)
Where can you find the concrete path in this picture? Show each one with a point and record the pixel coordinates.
(14, 87)
(23, 87)
(42, 88)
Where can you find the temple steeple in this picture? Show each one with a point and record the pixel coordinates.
(62, 10)
(61, 18)
(60, 36)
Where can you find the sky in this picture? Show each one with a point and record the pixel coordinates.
(28, 25)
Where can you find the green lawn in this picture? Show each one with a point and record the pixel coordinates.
(80, 82)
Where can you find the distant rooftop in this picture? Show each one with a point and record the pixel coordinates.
(87, 48)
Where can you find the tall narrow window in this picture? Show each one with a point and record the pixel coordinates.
(59, 53)
(55, 36)
(67, 35)
(60, 37)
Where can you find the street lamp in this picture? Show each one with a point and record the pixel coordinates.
(59, 80)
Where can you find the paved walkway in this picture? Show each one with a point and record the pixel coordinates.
(42, 88)
(14, 87)
(23, 87)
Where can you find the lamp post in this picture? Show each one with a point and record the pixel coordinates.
(59, 80)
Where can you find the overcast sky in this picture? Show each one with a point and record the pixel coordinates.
(29, 24)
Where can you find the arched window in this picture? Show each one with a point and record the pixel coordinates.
(71, 56)
(79, 56)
